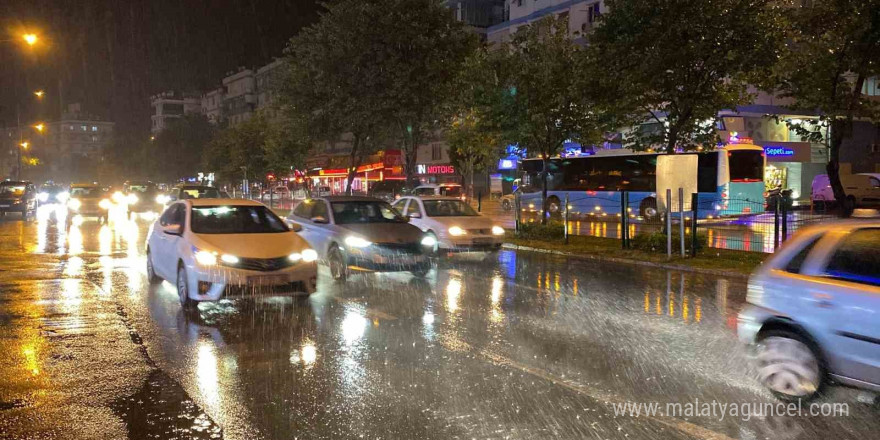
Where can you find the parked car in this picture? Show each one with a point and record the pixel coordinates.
(862, 190)
(52, 194)
(18, 196)
(812, 311)
(208, 247)
(184, 192)
(388, 190)
(321, 191)
(362, 233)
(278, 192)
(453, 224)
(443, 189)
(88, 200)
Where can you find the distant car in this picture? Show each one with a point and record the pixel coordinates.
(363, 233)
(453, 224)
(52, 194)
(18, 196)
(321, 191)
(442, 189)
(184, 192)
(388, 190)
(277, 192)
(142, 197)
(862, 190)
(88, 200)
(207, 247)
(813, 311)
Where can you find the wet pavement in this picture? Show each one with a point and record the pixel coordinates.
(515, 346)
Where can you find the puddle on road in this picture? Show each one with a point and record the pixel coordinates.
(161, 409)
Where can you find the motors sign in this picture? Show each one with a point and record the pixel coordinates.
(434, 169)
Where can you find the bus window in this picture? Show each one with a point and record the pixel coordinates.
(746, 166)
(707, 172)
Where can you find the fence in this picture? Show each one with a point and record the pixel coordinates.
(695, 221)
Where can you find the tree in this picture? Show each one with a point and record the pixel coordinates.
(177, 151)
(540, 98)
(834, 47)
(676, 63)
(240, 147)
(335, 83)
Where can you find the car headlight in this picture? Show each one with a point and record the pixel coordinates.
(118, 197)
(206, 258)
(228, 259)
(429, 241)
(104, 204)
(162, 199)
(356, 242)
(74, 204)
(43, 197)
(63, 196)
(131, 199)
(455, 231)
(497, 230)
(307, 255)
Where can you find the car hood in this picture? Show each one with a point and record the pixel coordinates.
(251, 245)
(386, 232)
(466, 222)
(10, 197)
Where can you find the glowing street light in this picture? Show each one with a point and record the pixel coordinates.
(30, 39)
(40, 127)
(39, 94)
(25, 144)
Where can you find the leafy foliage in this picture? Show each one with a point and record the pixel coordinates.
(679, 62)
(176, 151)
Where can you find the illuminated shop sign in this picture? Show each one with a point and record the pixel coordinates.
(778, 151)
(434, 169)
(507, 164)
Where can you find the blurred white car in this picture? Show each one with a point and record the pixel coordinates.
(813, 311)
(442, 189)
(206, 246)
(452, 222)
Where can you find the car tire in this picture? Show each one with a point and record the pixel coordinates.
(183, 289)
(648, 208)
(337, 264)
(790, 365)
(506, 205)
(152, 278)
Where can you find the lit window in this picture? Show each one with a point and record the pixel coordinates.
(84, 128)
(94, 128)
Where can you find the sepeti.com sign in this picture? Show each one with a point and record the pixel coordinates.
(434, 169)
(778, 151)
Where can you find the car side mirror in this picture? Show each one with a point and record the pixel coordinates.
(295, 227)
(173, 229)
(320, 219)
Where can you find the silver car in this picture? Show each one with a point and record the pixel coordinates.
(362, 233)
(813, 311)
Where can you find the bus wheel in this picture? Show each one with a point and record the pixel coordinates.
(553, 205)
(648, 208)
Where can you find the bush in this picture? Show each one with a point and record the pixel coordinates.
(537, 231)
(656, 241)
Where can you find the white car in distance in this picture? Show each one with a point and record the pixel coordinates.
(211, 248)
(453, 223)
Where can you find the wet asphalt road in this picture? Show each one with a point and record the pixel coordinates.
(516, 346)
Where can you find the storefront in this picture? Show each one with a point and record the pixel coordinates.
(793, 165)
(437, 173)
(332, 171)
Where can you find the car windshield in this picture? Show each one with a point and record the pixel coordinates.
(12, 188)
(448, 208)
(235, 220)
(200, 192)
(365, 212)
(86, 192)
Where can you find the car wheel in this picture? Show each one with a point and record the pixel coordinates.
(505, 205)
(151, 273)
(183, 288)
(850, 203)
(336, 261)
(789, 365)
(648, 208)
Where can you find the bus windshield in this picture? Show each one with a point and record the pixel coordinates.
(746, 166)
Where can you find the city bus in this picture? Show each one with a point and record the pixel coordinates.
(728, 181)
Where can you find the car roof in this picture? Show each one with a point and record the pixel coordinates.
(84, 185)
(196, 186)
(230, 202)
(450, 198)
(844, 225)
(351, 199)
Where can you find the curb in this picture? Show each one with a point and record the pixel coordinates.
(719, 272)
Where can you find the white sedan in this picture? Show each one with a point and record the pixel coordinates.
(452, 222)
(215, 247)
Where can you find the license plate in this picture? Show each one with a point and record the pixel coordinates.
(482, 241)
(268, 280)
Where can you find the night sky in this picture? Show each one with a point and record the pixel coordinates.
(111, 55)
